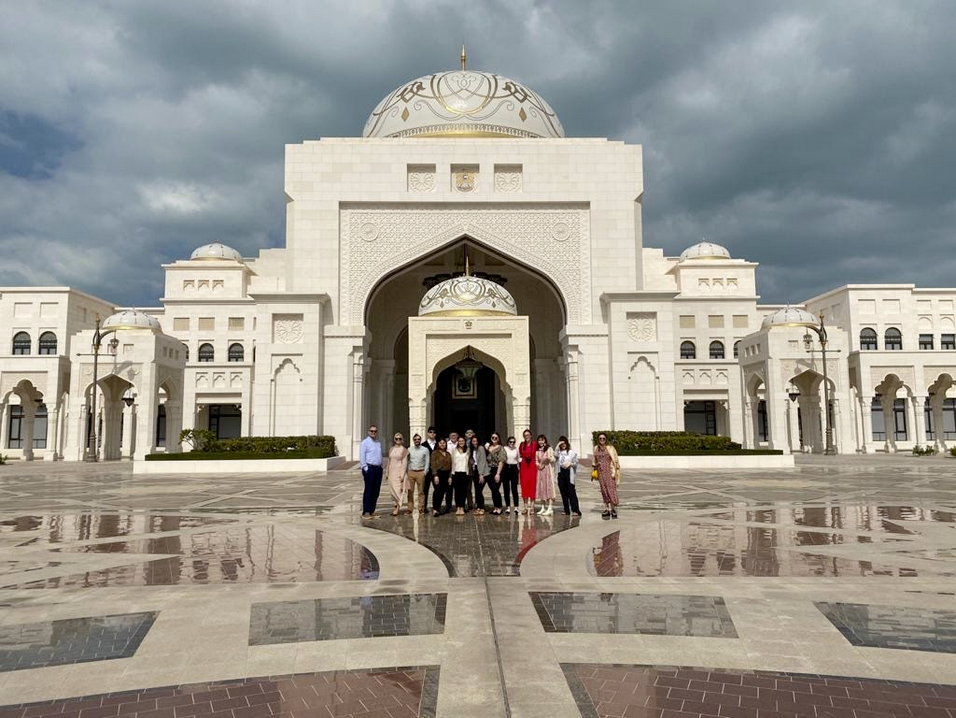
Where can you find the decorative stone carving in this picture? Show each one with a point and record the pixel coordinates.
(508, 179)
(560, 232)
(525, 235)
(287, 328)
(642, 326)
(421, 179)
(368, 232)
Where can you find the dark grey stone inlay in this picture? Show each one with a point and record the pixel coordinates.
(701, 616)
(325, 619)
(916, 629)
(73, 640)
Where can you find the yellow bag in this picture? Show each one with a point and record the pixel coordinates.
(594, 474)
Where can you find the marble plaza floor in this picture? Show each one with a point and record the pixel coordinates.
(827, 591)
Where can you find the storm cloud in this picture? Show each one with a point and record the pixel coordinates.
(815, 138)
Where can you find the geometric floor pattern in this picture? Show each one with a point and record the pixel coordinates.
(656, 691)
(820, 591)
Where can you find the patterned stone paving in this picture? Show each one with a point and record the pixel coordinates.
(477, 545)
(72, 640)
(566, 612)
(257, 576)
(893, 626)
(327, 619)
(669, 692)
(380, 693)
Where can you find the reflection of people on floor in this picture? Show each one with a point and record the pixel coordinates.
(397, 472)
(608, 560)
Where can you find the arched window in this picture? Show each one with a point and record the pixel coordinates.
(21, 343)
(237, 352)
(868, 341)
(716, 350)
(688, 350)
(47, 343)
(893, 339)
(736, 349)
(207, 353)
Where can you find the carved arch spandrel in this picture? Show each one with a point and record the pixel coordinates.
(525, 234)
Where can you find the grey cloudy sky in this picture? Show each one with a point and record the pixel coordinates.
(816, 138)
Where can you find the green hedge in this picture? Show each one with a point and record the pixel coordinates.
(636, 443)
(239, 455)
(704, 452)
(258, 447)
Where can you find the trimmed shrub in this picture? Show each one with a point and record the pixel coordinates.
(275, 445)
(240, 455)
(636, 443)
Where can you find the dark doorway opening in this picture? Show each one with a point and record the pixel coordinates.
(459, 404)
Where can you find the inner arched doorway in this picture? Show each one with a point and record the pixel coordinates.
(459, 403)
(396, 298)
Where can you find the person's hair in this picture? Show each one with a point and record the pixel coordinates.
(372, 426)
(397, 437)
(417, 436)
(600, 435)
(454, 433)
(430, 429)
(458, 444)
(526, 431)
(511, 438)
(442, 441)
(567, 444)
(542, 436)
(495, 435)
(474, 440)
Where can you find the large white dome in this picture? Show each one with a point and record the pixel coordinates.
(790, 317)
(131, 319)
(467, 103)
(467, 296)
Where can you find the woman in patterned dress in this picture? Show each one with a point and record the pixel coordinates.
(544, 460)
(609, 475)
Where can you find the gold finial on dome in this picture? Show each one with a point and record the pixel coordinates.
(464, 58)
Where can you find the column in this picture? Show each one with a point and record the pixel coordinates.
(776, 420)
(866, 419)
(889, 424)
(794, 425)
(29, 416)
(53, 433)
(574, 410)
(4, 426)
(750, 425)
(936, 404)
(129, 432)
(358, 396)
(174, 426)
(919, 420)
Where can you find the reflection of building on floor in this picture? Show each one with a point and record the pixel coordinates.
(476, 237)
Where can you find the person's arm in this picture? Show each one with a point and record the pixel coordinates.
(428, 460)
(362, 461)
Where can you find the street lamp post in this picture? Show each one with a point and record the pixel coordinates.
(98, 336)
(821, 331)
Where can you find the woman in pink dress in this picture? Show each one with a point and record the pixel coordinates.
(397, 472)
(527, 471)
(609, 474)
(544, 461)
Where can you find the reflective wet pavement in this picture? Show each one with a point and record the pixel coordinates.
(840, 570)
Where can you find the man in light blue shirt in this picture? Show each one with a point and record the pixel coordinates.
(370, 459)
(418, 464)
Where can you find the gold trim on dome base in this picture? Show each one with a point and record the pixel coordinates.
(469, 313)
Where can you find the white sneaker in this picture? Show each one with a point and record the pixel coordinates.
(540, 512)
(547, 512)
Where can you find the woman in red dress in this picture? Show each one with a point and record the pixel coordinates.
(528, 471)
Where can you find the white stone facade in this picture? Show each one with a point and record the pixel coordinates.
(314, 338)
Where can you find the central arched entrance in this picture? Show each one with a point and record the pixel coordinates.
(395, 299)
(459, 403)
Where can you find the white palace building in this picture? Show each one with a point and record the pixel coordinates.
(465, 264)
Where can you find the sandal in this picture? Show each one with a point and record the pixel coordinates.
(613, 514)
(606, 515)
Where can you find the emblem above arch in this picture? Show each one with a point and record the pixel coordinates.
(552, 239)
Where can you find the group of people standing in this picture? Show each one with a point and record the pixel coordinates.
(458, 468)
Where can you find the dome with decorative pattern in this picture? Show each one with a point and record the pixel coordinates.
(790, 317)
(463, 103)
(216, 250)
(131, 319)
(467, 296)
(705, 250)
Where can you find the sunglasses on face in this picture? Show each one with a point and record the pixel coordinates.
(511, 441)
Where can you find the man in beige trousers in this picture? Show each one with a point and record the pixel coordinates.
(419, 459)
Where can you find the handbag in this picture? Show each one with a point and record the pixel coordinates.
(594, 474)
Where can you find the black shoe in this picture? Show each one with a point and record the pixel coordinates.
(613, 514)
(606, 515)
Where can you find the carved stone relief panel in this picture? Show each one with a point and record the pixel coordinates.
(375, 241)
(421, 178)
(642, 326)
(287, 328)
(508, 178)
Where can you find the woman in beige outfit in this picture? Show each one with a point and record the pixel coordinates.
(397, 472)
